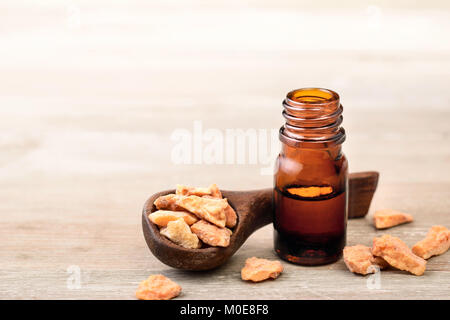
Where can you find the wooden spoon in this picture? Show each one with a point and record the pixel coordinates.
(254, 210)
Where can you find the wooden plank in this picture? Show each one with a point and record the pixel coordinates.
(87, 112)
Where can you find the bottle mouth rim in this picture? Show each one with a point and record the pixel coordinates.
(311, 97)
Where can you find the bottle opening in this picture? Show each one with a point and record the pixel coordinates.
(312, 96)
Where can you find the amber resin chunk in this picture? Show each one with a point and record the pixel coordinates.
(389, 218)
(215, 192)
(359, 259)
(257, 269)
(163, 217)
(179, 232)
(157, 287)
(230, 215)
(436, 242)
(168, 202)
(398, 254)
(211, 234)
(212, 190)
(212, 210)
(192, 191)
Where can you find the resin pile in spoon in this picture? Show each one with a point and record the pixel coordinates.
(195, 217)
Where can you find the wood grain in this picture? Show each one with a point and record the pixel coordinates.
(91, 92)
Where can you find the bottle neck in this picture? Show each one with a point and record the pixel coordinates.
(313, 119)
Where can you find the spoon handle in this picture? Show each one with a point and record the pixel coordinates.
(362, 187)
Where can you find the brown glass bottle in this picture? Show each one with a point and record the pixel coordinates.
(310, 187)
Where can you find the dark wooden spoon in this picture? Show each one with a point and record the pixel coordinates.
(254, 210)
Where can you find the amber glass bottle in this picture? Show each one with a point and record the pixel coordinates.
(310, 187)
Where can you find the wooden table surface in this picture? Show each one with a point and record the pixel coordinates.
(91, 92)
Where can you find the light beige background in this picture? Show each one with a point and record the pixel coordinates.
(91, 91)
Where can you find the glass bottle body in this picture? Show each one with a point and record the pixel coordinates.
(310, 190)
